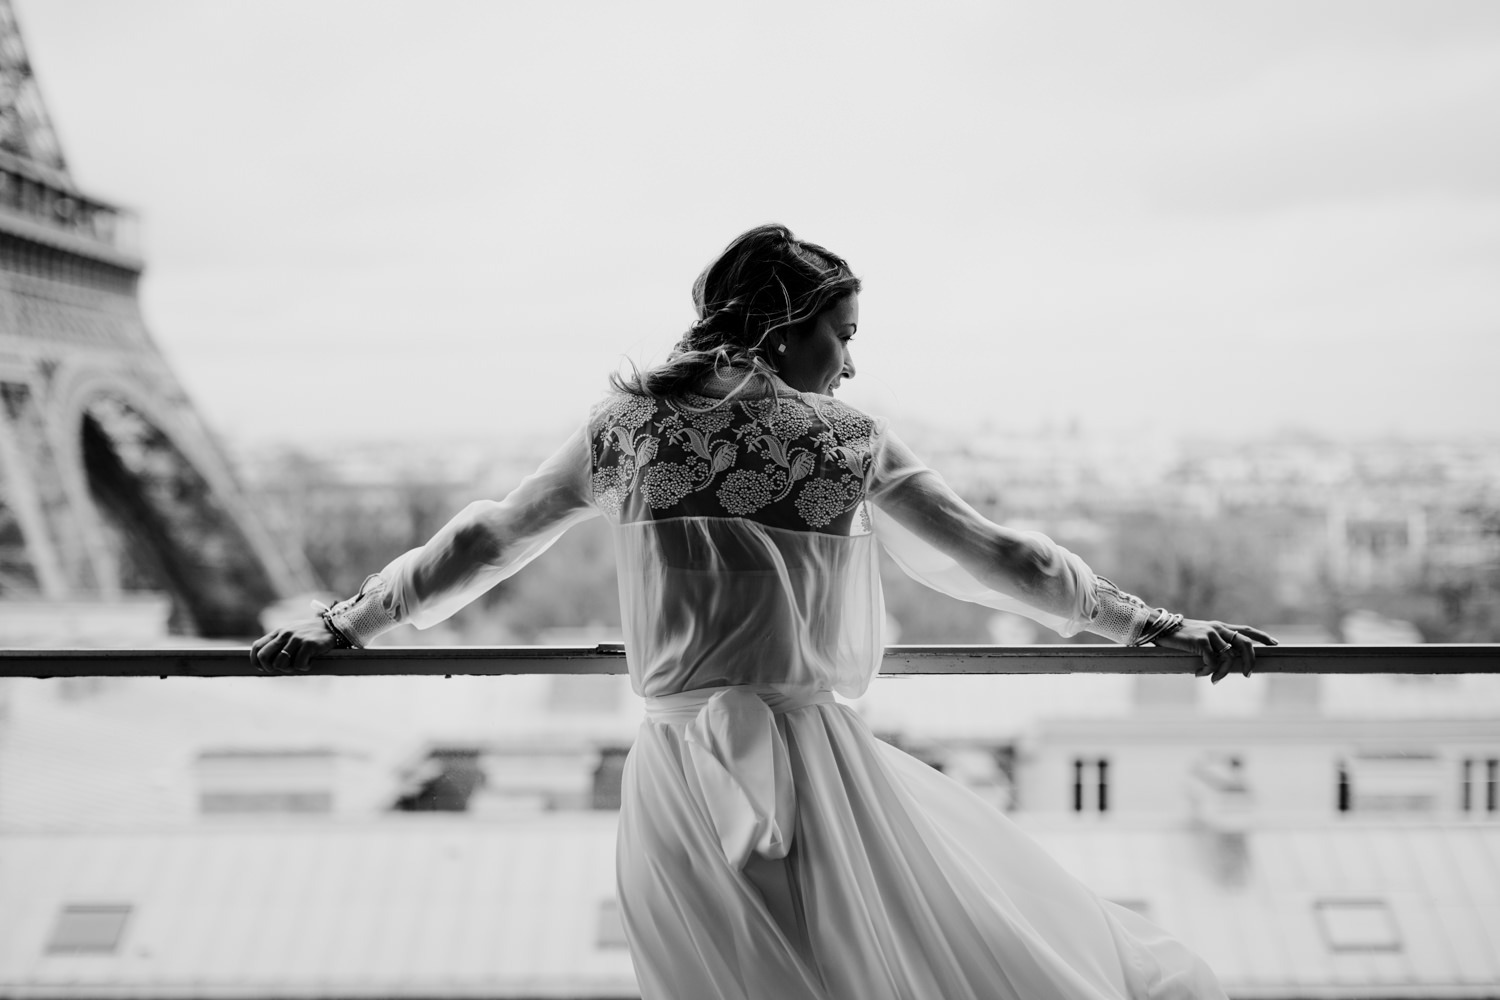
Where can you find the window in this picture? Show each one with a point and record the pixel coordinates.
(1386, 780)
(88, 929)
(610, 931)
(1355, 925)
(1479, 787)
(444, 781)
(1090, 784)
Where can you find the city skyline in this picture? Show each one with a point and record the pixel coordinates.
(400, 221)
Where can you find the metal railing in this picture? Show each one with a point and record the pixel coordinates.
(609, 658)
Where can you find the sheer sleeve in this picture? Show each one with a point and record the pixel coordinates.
(937, 538)
(483, 544)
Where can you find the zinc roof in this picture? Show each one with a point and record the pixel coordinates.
(1268, 931)
(411, 906)
(426, 906)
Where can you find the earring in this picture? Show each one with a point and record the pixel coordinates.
(780, 348)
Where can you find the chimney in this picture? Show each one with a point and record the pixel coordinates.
(1221, 809)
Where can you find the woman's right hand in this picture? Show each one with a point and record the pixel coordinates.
(1221, 647)
(291, 649)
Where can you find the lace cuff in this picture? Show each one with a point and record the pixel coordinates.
(1119, 616)
(363, 616)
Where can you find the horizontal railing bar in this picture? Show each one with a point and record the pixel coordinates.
(609, 658)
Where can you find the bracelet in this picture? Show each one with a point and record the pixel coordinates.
(340, 640)
(362, 617)
(1175, 624)
(1127, 620)
(1161, 624)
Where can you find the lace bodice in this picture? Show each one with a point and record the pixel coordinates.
(800, 462)
(745, 531)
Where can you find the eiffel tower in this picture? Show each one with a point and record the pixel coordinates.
(109, 481)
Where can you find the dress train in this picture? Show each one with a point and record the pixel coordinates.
(906, 885)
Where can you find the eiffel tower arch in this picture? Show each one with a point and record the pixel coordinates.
(110, 482)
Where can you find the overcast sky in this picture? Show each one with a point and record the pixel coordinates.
(368, 218)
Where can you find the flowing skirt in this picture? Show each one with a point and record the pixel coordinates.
(889, 881)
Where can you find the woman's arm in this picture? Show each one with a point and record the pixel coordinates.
(943, 542)
(483, 544)
(946, 544)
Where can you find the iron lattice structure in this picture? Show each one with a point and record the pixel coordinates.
(25, 128)
(109, 481)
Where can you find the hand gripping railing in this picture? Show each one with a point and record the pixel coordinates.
(609, 658)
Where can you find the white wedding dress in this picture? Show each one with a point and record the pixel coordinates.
(770, 846)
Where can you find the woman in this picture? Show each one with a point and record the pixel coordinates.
(770, 846)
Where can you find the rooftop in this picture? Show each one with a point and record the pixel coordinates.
(423, 906)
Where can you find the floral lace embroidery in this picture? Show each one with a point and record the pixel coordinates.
(782, 417)
(822, 500)
(755, 453)
(611, 483)
(700, 412)
(628, 411)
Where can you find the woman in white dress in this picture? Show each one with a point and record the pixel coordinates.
(770, 846)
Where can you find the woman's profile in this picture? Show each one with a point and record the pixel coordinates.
(769, 845)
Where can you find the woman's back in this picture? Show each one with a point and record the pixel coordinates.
(743, 536)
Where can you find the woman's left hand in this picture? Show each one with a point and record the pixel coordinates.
(1222, 647)
(290, 649)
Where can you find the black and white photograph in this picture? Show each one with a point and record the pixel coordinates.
(517, 500)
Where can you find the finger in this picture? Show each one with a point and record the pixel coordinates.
(281, 661)
(287, 661)
(266, 655)
(1258, 635)
(1223, 655)
(302, 658)
(1207, 655)
(1244, 653)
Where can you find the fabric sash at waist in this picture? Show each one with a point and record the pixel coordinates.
(733, 752)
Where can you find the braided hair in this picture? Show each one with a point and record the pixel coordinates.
(765, 280)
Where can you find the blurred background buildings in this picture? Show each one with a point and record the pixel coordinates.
(1313, 836)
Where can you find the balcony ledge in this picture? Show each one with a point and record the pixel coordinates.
(609, 658)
